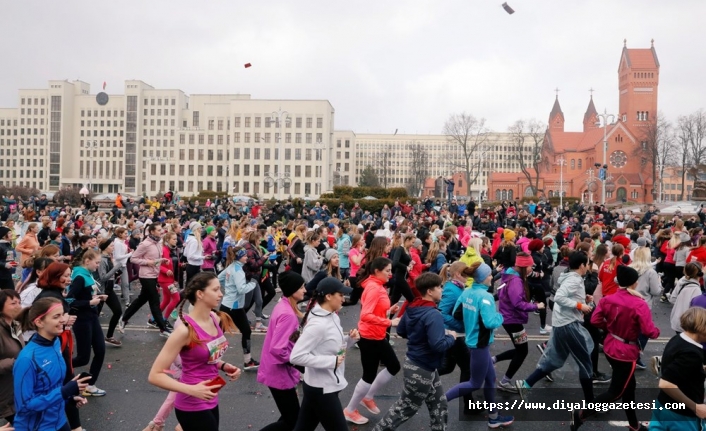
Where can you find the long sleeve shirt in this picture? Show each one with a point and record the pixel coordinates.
(147, 251)
(193, 251)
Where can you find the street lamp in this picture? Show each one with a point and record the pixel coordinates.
(279, 117)
(561, 162)
(607, 118)
(89, 145)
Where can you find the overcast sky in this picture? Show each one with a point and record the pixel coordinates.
(384, 65)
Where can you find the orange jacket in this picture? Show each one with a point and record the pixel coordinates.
(373, 313)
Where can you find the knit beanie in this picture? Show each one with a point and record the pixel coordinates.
(290, 282)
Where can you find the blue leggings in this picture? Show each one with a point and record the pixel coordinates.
(482, 376)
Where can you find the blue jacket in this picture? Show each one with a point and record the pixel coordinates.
(447, 305)
(461, 209)
(235, 286)
(438, 263)
(39, 394)
(479, 315)
(423, 327)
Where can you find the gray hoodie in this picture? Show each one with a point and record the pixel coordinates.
(681, 297)
(317, 348)
(311, 264)
(571, 291)
(649, 286)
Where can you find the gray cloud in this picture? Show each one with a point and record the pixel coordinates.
(383, 65)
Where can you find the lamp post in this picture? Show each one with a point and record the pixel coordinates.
(279, 117)
(607, 118)
(89, 145)
(561, 162)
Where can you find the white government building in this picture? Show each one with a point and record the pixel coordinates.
(149, 140)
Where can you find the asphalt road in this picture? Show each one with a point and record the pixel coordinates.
(131, 402)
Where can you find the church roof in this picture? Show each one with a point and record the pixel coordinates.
(591, 110)
(575, 141)
(641, 58)
(634, 179)
(556, 109)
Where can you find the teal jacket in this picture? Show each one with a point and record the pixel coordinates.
(477, 309)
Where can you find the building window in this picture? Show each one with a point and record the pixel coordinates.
(247, 121)
(257, 121)
(298, 138)
(196, 119)
(309, 122)
(319, 123)
(236, 122)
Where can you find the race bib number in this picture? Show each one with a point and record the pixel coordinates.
(519, 337)
(216, 349)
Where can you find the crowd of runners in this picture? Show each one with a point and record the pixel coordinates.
(446, 276)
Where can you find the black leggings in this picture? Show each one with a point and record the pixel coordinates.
(288, 406)
(191, 270)
(540, 296)
(670, 275)
(240, 318)
(401, 288)
(459, 355)
(114, 304)
(519, 353)
(319, 408)
(372, 353)
(203, 420)
(89, 335)
(597, 339)
(622, 385)
(268, 291)
(148, 293)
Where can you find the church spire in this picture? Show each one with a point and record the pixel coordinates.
(591, 116)
(556, 117)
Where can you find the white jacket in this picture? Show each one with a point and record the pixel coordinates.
(120, 254)
(317, 349)
(193, 251)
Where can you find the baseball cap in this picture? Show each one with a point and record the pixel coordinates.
(332, 285)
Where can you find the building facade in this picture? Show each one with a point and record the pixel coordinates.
(149, 140)
(629, 174)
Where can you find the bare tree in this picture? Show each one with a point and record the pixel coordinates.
(418, 168)
(383, 165)
(692, 130)
(657, 149)
(528, 142)
(471, 135)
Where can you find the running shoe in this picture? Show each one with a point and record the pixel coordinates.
(601, 378)
(174, 315)
(259, 328)
(640, 365)
(542, 347)
(663, 299)
(355, 417)
(113, 342)
(506, 387)
(252, 365)
(165, 334)
(92, 391)
(522, 389)
(153, 427)
(369, 404)
(546, 330)
(265, 316)
(168, 325)
(121, 326)
(656, 365)
(500, 421)
(576, 421)
(152, 324)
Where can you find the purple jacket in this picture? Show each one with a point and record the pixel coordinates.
(209, 247)
(513, 301)
(626, 316)
(275, 370)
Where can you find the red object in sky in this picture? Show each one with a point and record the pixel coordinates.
(103, 85)
(247, 65)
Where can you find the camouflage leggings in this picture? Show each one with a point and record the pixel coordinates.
(420, 386)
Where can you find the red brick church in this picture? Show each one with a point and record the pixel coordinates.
(629, 171)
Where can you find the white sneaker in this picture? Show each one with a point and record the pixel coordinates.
(546, 330)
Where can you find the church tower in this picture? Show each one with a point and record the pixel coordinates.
(556, 117)
(638, 75)
(590, 118)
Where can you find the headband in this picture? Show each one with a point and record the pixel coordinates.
(59, 304)
(524, 261)
(240, 253)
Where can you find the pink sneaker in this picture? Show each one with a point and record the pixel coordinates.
(355, 417)
(369, 404)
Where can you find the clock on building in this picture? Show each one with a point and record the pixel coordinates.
(618, 159)
(102, 98)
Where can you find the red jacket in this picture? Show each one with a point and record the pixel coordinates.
(163, 279)
(607, 276)
(374, 307)
(698, 254)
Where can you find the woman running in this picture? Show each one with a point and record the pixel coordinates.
(236, 287)
(84, 298)
(295, 250)
(402, 263)
(193, 250)
(374, 345)
(321, 349)
(276, 371)
(625, 316)
(40, 388)
(200, 343)
(515, 307)
(476, 307)
(11, 342)
(355, 257)
(167, 277)
(106, 279)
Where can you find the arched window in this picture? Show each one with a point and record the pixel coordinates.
(509, 195)
(504, 194)
(528, 191)
(498, 196)
(573, 164)
(580, 163)
(551, 194)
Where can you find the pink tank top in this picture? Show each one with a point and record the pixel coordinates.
(200, 363)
